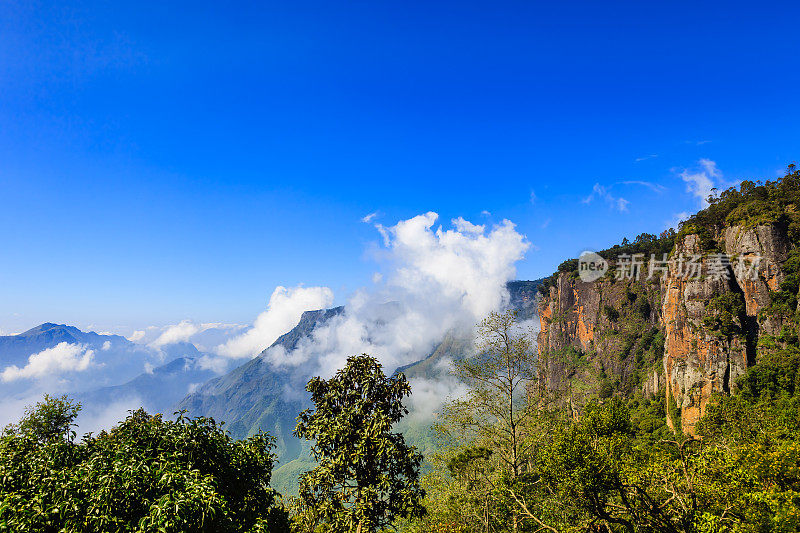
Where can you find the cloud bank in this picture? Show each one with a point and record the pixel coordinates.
(435, 280)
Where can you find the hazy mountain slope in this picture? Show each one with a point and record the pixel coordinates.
(105, 360)
(158, 390)
(119, 375)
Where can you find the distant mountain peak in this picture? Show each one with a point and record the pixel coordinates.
(47, 326)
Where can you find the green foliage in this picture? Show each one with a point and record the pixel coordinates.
(643, 308)
(784, 300)
(776, 374)
(570, 266)
(646, 244)
(725, 314)
(146, 474)
(367, 476)
(649, 418)
(617, 469)
(760, 427)
(572, 358)
(49, 420)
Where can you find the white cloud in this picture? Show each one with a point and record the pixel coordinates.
(63, 357)
(12, 409)
(646, 157)
(181, 332)
(216, 364)
(486, 213)
(202, 335)
(95, 418)
(465, 226)
(369, 218)
(603, 193)
(137, 336)
(286, 305)
(701, 180)
(428, 394)
(534, 198)
(106, 346)
(677, 219)
(439, 280)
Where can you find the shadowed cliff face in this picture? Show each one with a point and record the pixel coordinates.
(710, 325)
(772, 245)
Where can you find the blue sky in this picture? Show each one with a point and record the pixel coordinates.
(163, 161)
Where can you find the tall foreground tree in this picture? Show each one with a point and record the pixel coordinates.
(498, 377)
(491, 435)
(367, 475)
(495, 411)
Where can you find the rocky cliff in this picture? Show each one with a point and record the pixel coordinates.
(599, 335)
(687, 332)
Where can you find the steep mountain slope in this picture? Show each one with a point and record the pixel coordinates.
(257, 396)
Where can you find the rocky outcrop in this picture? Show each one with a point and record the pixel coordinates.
(766, 249)
(710, 322)
(700, 359)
